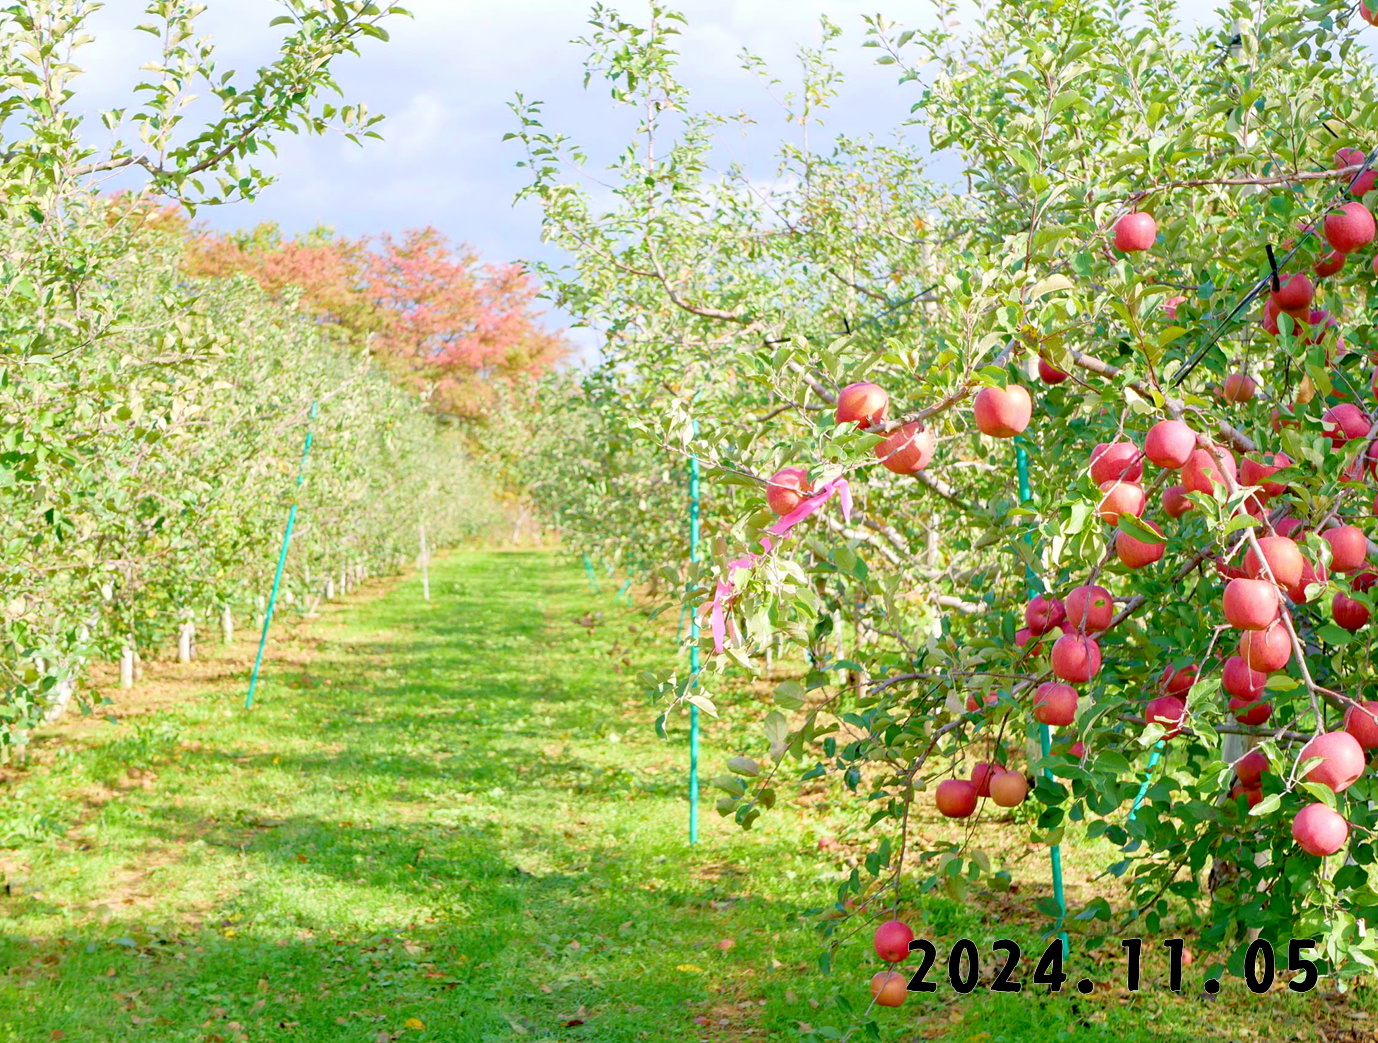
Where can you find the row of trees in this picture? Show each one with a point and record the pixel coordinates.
(736, 310)
(158, 383)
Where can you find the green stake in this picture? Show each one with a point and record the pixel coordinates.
(1021, 459)
(1153, 759)
(282, 563)
(593, 579)
(694, 656)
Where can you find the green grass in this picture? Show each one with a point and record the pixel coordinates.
(455, 814)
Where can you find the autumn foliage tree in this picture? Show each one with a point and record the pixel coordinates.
(439, 318)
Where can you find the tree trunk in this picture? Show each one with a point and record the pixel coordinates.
(186, 642)
(127, 667)
(226, 625)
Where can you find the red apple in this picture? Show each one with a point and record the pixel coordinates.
(1175, 501)
(1121, 498)
(1348, 613)
(1055, 703)
(1266, 650)
(1135, 231)
(1075, 658)
(1136, 553)
(907, 450)
(1343, 422)
(1361, 721)
(1241, 681)
(1319, 830)
(956, 798)
(1170, 306)
(862, 403)
(1009, 788)
(1349, 227)
(1043, 613)
(1354, 157)
(888, 988)
(1283, 558)
(892, 940)
(787, 488)
(1167, 710)
(1111, 461)
(1294, 295)
(1251, 604)
(1342, 760)
(1329, 265)
(1250, 711)
(1025, 638)
(1169, 443)
(1003, 412)
(1309, 574)
(1089, 608)
(1250, 768)
(1348, 547)
(991, 699)
(1178, 682)
(1200, 473)
(1256, 472)
(1239, 387)
(1050, 374)
(981, 776)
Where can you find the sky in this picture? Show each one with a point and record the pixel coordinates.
(445, 82)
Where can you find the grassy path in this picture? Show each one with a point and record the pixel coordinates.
(446, 820)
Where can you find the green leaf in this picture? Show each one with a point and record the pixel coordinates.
(1139, 530)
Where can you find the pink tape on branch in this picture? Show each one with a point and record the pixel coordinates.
(806, 507)
(717, 608)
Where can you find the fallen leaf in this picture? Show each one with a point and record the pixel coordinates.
(414, 1023)
(689, 968)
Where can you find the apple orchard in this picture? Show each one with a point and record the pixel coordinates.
(1085, 438)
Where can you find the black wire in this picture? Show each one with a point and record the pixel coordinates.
(1185, 369)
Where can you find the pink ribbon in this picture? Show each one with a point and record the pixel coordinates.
(717, 608)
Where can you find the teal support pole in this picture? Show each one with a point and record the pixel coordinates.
(593, 578)
(1153, 759)
(626, 589)
(693, 656)
(1021, 459)
(282, 564)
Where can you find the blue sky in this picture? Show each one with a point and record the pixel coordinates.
(445, 81)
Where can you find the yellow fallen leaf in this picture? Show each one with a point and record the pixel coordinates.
(689, 968)
(414, 1023)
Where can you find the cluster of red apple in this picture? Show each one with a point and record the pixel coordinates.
(956, 798)
(999, 412)
(891, 941)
